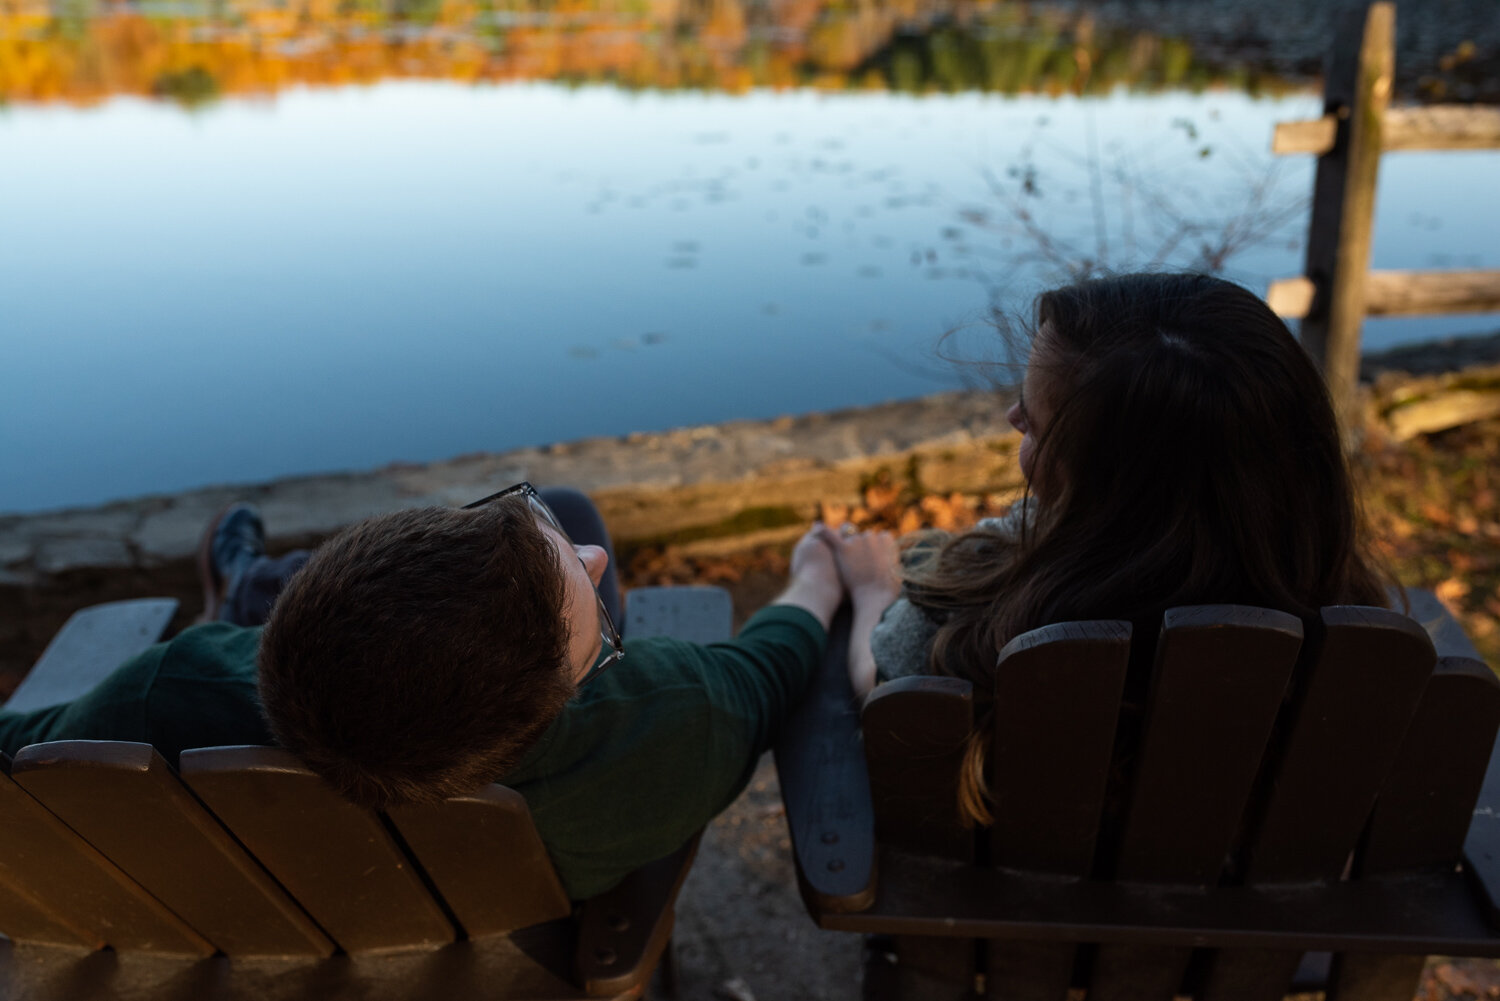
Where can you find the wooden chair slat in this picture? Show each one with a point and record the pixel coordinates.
(124, 800)
(25, 915)
(915, 732)
(457, 843)
(352, 877)
(1138, 972)
(1251, 974)
(933, 969)
(43, 859)
(1218, 681)
(1057, 698)
(1374, 977)
(920, 975)
(1427, 802)
(1424, 809)
(1359, 695)
(1360, 691)
(1367, 977)
(24, 918)
(1029, 970)
(1056, 702)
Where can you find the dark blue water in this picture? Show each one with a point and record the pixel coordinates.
(340, 279)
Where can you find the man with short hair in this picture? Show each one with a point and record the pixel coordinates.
(425, 653)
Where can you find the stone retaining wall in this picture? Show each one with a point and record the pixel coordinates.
(647, 486)
(704, 481)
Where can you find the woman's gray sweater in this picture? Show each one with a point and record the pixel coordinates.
(904, 634)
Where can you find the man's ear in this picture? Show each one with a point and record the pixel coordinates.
(595, 561)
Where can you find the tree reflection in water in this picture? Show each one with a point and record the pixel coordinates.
(83, 51)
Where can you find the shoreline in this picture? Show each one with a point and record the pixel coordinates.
(705, 489)
(708, 482)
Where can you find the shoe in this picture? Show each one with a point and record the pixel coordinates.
(234, 539)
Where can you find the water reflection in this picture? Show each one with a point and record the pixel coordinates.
(82, 51)
(757, 217)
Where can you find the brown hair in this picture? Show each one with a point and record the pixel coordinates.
(418, 655)
(1191, 456)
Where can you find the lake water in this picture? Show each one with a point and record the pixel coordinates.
(202, 286)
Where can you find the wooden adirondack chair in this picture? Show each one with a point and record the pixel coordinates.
(1268, 795)
(241, 876)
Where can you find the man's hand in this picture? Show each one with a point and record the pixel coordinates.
(815, 584)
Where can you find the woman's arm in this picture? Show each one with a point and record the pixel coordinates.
(861, 658)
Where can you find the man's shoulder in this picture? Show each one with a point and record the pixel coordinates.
(212, 651)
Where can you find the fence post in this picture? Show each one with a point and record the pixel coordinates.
(1356, 92)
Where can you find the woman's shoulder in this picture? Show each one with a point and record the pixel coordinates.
(901, 639)
(1011, 522)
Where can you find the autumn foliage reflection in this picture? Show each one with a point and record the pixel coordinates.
(79, 52)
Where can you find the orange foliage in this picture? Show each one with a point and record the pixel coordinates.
(257, 47)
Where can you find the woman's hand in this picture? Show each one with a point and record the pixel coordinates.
(867, 566)
(867, 563)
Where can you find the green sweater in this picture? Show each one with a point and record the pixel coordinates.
(641, 758)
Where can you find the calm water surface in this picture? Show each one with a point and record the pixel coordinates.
(337, 278)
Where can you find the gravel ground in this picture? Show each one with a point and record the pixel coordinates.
(742, 934)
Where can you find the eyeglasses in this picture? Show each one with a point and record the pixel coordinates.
(613, 648)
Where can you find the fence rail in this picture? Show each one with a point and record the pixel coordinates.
(1337, 290)
(1439, 127)
(1401, 293)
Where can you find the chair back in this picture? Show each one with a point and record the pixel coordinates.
(1229, 748)
(256, 856)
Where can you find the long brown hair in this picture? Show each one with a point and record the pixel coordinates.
(1191, 456)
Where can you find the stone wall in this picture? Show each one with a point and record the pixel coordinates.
(647, 486)
(715, 483)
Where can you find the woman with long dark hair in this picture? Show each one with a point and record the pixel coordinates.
(1179, 448)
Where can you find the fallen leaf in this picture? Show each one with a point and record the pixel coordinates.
(880, 496)
(1450, 592)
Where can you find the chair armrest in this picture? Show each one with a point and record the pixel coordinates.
(695, 614)
(1447, 635)
(623, 932)
(820, 760)
(1457, 654)
(87, 649)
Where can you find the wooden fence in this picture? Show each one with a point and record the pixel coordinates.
(1338, 290)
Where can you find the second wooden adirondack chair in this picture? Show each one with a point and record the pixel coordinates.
(1273, 794)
